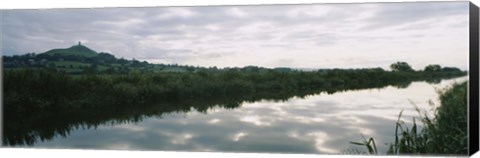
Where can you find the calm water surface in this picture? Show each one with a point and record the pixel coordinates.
(323, 124)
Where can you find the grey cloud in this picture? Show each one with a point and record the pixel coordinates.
(394, 14)
(214, 55)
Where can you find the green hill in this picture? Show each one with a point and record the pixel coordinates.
(78, 50)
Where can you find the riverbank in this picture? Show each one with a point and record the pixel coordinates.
(444, 134)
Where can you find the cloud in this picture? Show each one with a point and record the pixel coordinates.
(176, 13)
(237, 12)
(392, 14)
(310, 11)
(226, 36)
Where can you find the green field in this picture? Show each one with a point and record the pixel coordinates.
(70, 64)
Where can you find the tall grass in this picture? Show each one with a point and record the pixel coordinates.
(445, 134)
(369, 144)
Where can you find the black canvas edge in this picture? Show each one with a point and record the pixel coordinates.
(1, 78)
(473, 110)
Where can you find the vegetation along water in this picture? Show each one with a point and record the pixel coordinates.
(446, 133)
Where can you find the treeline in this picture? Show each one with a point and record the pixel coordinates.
(42, 60)
(45, 88)
(39, 104)
(80, 60)
(102, 63)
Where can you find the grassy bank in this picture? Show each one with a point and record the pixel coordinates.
(445, 134)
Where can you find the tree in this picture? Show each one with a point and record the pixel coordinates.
(51, 65)
(401, 66)
(110, 70)
(90, 70)
(433, 68)
(190, 69)
(451, 69)
(108, 58)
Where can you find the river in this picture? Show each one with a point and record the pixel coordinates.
(322, 124)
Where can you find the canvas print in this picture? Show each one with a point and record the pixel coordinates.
(357, 78)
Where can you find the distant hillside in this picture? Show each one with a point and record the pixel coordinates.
(78, 50)
(79, 59)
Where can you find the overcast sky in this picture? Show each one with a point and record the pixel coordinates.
(302, 36)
